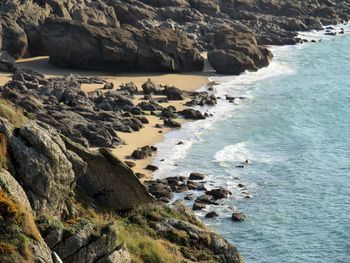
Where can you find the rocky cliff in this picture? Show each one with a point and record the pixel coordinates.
(63, 202)
(159, 35)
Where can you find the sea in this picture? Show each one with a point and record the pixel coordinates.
(292, 124)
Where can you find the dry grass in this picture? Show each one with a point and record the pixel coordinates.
(11, 113)
(17, 229)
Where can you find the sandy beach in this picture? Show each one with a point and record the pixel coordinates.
(149, 135)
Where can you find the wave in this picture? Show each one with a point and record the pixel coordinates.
(233, 153)
(170, 152)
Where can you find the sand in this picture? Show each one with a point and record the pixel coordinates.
(149, 135)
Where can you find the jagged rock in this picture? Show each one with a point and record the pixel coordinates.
(108, 180)
(212, 214)
(206, 199)
(159, 189)
(39, 158)
(142, 153)
(238, 217)
(173, 93)
(195, 186)
(218, 193)
(150, 87)
(196, 176)
(130, 87)
(37, 247)
(123, 49)
(151, 167)
(7, 63)
(171, 123)
(198, 206)
(192, 114)
(184, 233)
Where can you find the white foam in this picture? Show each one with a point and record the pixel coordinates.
(235, 86)
(233, 153)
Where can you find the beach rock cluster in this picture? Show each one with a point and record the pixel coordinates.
(91, 119)
(50, 201)
(159, 36)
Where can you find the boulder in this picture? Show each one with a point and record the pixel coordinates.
(212, 214)
(218, 193)
(142, 153)
(39, 159)
(119, 49)
(192, 114)
(238, 217)
(171, 123)
(184, 233)
(197, 176)
(108, 180)
(173, 93)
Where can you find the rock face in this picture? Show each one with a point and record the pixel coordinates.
(12, 195)
(270, 22)
(179, 231)
(83, 247)
(237, 52)
(40, 161)
(119, 49)
(108, 180)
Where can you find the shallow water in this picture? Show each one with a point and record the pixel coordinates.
(294, 128)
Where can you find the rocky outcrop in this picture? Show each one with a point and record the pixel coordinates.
(153, 26)
(81, 244)
(236, 52)
(108, 180)
(119, 49)
(17, 222)
(39, 159)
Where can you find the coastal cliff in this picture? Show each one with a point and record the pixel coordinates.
(64, 194)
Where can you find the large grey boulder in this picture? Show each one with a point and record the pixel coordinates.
(39, 158)
(108, 180)
(74, 44)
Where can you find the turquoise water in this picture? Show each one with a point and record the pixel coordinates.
(294, 127)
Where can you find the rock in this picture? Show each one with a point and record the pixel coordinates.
(192, 114)
(130, 164)
(184, 233)
(206, 199)
(85, 246)
(197, 176)
(12, 194)
(196, 186)
(40, 161)
(173, 93)
(108, 86)
(212, 214)
(7, 63)
(159, 189)
(142, 153)
(151, 167)
(238, 217)
(218, 193)
(130, 87)
(108, 180)
(124, 48)
(150, 87)
(229, 56)
(171, 123)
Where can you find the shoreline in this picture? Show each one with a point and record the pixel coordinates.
(149, 135)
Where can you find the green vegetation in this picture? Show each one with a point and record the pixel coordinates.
(17, 228)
